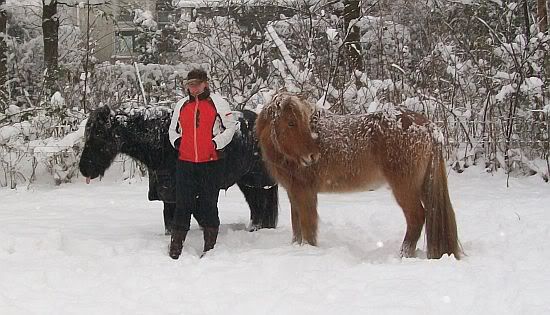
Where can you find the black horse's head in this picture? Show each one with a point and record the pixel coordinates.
(101, 144)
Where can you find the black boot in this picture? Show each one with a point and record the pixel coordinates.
(176, 243)
(210, 237)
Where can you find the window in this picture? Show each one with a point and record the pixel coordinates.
(165, 17)
(125, 15)
(166, 13)
(125, 43)
(164, 5)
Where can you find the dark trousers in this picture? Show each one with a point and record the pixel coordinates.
(197, 190)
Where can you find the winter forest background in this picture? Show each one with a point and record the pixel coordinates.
(478, 68)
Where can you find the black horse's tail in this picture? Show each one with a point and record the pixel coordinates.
(264, 205)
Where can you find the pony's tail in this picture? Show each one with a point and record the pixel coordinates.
(441, 231)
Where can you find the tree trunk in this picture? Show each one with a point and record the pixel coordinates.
(526, 18)
(352, 42)
(50, 30)
(527, 35)
(3, 57)
(542, 15)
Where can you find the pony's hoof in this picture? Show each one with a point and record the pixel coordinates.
(174, 256)
(176, 243)
(167, 232)
(408, 252)
(174, 253)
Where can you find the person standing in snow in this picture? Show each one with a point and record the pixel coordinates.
(202, 125)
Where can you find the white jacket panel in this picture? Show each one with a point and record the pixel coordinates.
(224, 127)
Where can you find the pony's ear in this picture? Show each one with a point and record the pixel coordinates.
(260, 124)
(104, 114)
(104, 110)
(283, 102)
(276, 101)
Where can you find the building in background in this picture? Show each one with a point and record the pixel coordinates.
(112, 24)
(116, 31)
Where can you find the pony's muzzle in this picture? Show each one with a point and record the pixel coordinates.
(310, 159)
(89, 169)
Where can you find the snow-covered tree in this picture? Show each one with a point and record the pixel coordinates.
(3, 56)
(146, 40)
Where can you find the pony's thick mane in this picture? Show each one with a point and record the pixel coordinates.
(283, 99)
(144, 124)
(142, 112)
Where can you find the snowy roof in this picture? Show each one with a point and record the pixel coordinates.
(181, 3)
(222, 3)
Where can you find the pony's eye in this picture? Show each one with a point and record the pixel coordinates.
(292, 124)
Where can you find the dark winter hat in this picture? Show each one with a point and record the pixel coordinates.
(196, 76)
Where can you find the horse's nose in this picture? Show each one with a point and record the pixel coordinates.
(310, 159)
(315, 157)
(83, 169)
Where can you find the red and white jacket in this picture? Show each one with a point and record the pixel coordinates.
(205, 125)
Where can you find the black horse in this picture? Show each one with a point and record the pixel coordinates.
(143, 135)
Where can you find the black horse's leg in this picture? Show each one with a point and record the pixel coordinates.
(264, 205)
(169, 209)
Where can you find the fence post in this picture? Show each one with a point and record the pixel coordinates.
(140, 83)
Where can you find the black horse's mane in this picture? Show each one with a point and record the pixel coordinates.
(148, 125)
(142, 133)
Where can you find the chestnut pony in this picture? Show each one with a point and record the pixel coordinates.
(309, 151)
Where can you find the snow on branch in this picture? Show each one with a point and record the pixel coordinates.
(298, 76)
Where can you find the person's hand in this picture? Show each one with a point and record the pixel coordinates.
(177, 144)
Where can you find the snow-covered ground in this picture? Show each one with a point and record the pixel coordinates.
(100, 249)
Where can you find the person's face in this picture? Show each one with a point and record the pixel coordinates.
(196, 88)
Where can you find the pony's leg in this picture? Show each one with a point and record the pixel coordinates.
(303, 204)
(414, 215)
(295, 218)
(264, 206)
(168, 212)
(296, 230)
